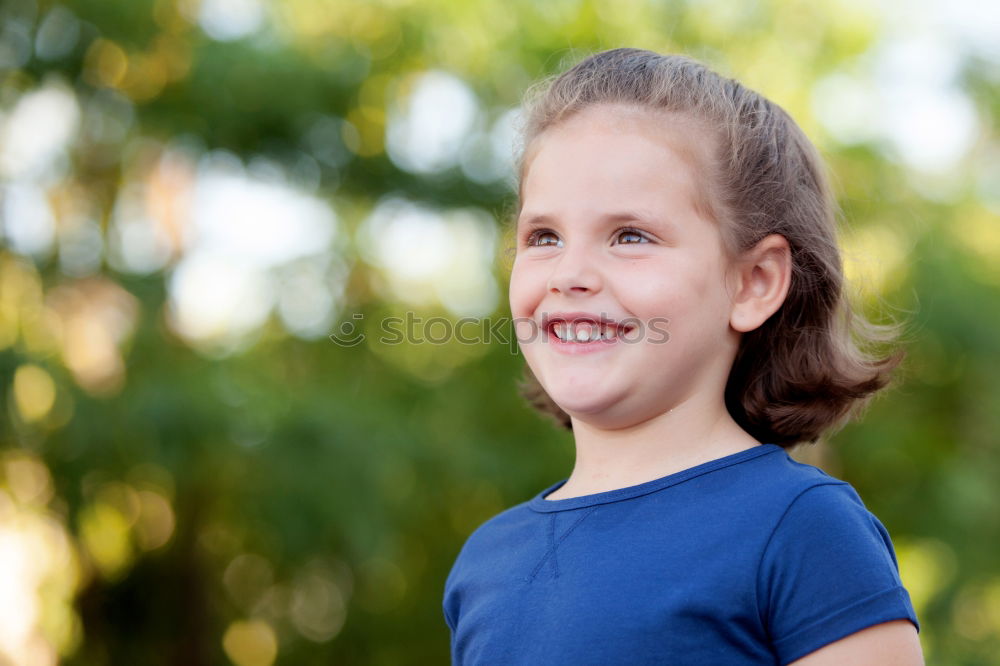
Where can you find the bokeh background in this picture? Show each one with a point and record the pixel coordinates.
(195, 194)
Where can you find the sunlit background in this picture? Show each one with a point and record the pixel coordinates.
(195, 194)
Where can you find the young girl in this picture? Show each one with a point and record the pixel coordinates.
(678, 296)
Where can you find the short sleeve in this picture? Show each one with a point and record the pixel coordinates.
(828, 571)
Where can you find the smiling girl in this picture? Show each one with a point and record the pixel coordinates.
(656, 196)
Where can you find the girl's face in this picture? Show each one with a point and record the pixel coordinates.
(608, 232)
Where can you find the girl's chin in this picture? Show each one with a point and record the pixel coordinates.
(575, 402)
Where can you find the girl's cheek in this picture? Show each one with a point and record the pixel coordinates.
(525, 330)
(525, 277)
(521, 292)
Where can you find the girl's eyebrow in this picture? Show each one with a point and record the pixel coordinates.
(534, 220)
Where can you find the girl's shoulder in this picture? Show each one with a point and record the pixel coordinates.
(828, 567)
(783, 474)
(792, 497)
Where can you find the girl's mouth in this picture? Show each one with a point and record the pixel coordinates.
(584, 336)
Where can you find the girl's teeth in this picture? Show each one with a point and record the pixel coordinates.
(583, 332)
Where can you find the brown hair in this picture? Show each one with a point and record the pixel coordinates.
(804, 371)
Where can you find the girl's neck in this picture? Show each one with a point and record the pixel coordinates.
(686, 436)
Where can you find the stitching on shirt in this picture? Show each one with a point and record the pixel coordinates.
(554, 544)
(891, 594)
(659, 484)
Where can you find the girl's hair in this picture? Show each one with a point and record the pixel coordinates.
(803, 371)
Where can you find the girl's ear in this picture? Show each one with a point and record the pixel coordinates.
(761, 278)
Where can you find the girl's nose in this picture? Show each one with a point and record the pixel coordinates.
(575, 273)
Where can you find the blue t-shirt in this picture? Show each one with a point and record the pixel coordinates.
(753, 558)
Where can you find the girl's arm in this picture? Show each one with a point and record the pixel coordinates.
(892, 643)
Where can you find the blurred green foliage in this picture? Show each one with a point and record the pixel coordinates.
(289, 500)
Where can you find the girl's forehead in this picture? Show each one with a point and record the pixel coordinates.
(686, 137)
(630, 118)
(685, 176)
(623, 147)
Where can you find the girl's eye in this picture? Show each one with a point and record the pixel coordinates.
(533, 238)
(544, 237)
(633, 233)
